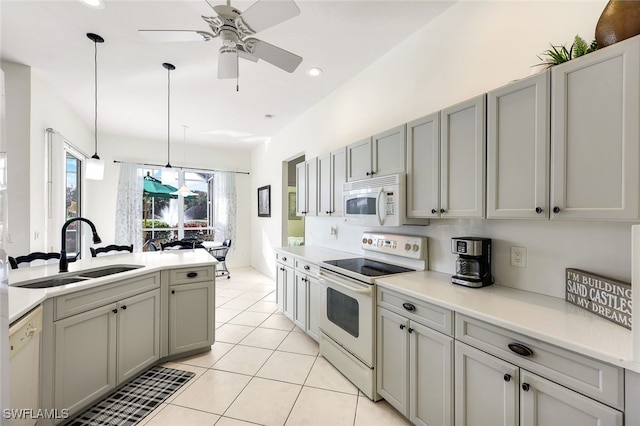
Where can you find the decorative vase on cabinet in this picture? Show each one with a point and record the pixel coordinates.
(619, 20)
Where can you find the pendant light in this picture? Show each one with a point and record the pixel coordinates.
(184, 191)
(95, 166)
(167, 176)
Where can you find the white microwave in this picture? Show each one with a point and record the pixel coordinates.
(379, 201)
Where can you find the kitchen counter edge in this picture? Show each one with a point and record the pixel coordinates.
(545, 318)
(22, 300)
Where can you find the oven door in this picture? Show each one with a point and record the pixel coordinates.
(347, 314)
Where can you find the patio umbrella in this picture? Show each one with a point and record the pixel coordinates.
(154, 188)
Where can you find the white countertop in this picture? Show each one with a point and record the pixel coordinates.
(545, 318)
(22, 300)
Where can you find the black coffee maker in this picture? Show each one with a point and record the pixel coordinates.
(473, 267)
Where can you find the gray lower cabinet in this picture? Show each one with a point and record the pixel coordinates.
(313, 307)
(491, 391)
(300, 300)
(285, 283)
(103, 347)
(415, 369)
(191, 316)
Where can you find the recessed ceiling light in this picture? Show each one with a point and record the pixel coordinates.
(314, 72)
(96, 4)
(268, 116)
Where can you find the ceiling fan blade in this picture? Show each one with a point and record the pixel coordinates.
(176, 35)
(265, 14)
(273, 54)
(246, 55)
(227, 62)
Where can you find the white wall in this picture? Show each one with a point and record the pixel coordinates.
(473, 47)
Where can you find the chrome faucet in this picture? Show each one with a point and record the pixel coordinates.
(64, 263)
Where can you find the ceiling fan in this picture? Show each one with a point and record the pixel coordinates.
(235, 29)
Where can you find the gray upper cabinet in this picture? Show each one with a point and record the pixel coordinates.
(359, 160)
(518, 140)
(332, 173)
(462, 160)
(423, 167)
(382, 154)
(389, 151)
(307, 188)
(595, 135)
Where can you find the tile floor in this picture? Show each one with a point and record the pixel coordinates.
(264, 370)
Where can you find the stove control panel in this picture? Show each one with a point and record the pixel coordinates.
(399, 245)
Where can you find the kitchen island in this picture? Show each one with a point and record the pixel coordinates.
(99, 333)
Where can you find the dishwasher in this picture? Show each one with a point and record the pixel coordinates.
(24, 368)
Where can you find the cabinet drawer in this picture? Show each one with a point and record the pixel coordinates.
(191, 275)
(285, 258)
(307, 267)
(588, 376)
(84, 300)
(432, 316)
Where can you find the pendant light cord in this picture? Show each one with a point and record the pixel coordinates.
(95, 97)
(168, 115)
(169, 68)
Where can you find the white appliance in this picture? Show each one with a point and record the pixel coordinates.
(379, 201)
(24, 367)
(348, 303)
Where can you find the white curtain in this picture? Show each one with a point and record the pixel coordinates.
(223, 188)
(129, 206)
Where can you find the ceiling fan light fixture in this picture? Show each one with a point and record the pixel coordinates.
(94, 165)
(314, 72)
(96, 4)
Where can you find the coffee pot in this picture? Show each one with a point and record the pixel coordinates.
(473, 267)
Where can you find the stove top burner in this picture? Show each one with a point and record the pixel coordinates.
(368, 267)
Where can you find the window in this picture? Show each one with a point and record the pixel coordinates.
(73, 205)
(167, 217)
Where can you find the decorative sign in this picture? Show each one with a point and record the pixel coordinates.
(608, 298)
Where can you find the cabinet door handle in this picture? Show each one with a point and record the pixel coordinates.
(124, 307)
(373, 173)
(115, 311)
(507, 377)
(434, 211)
(556, 209)
(307, 267)
(402, 326)
(520, 349)
(539, 210)
(192, 274)
(526, 387)
(284, 259)
(410, 330)
(173, 292)
(442, 211)
(409, 307)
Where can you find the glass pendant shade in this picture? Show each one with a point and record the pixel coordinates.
(183, 192)
(95, 168)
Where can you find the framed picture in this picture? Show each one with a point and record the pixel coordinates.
(292, 207)
(264, 201)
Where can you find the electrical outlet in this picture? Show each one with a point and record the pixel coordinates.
(519, 257)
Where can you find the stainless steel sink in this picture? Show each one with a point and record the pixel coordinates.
(80, 276)
(107, 270)
(53, 282)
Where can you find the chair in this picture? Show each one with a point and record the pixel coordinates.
(110, 249)
(220, 254)
(34, 259)
(181, 245)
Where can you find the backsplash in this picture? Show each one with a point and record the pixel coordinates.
(599, 247)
